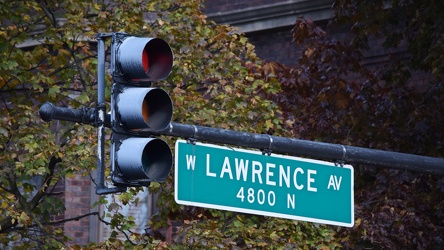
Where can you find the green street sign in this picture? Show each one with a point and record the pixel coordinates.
(249, 182)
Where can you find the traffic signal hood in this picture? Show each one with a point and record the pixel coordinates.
(141, 108)
(142, 60)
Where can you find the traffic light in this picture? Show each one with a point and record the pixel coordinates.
(136, 159)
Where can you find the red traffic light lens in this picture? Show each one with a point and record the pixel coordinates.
(145, 61)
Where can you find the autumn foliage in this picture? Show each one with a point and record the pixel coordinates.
(334, 96)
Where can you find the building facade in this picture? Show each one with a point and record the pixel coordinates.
(268, 23)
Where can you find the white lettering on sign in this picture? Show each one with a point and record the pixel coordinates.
(260, 197)
(311, 180)
(191, 161)
(271, 175)
(334, 182)
(208, 167)
(241, 169)
(291, 201)
(226, 168)
(298, 170)
(257, 170)
(284, 175)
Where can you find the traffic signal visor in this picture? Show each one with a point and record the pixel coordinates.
(140, 108)
(144, 59)
(144, 159)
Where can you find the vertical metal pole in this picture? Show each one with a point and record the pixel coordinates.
(112, 118)
(101, 111)
(100, 114)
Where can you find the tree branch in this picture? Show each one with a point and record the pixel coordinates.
(49, 14)
(52, 223)
(28, 207)
(42, 191)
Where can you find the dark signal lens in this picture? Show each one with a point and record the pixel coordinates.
(140, 108)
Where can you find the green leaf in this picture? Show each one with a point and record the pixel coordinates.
(53, 91)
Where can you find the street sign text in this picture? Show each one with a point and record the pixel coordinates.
(276, 185)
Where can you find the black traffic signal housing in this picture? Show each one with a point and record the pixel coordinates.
(136, 159)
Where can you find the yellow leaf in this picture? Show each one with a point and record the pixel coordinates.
(23, 218)
(5, 205)
(358, 222)
(103, 14)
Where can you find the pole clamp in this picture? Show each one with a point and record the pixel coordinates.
(341, 162)
(191, 139)
(268, 150)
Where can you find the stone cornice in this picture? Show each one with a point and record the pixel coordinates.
(276, 15)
